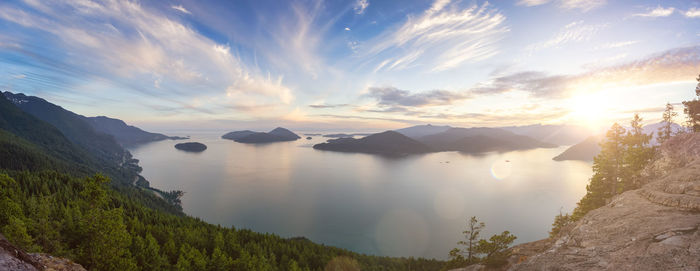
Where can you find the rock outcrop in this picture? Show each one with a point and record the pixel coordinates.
(14, 258)
(655, 227)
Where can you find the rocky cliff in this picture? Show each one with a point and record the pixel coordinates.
(651, 228)
(14, 258)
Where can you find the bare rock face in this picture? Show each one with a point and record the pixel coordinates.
(655, 227)
(14, 258)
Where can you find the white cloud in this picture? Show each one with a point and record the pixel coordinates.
(181, 9)
(360, 6)
(347, 29)
(148, 45)
(441, 38)
(657, 12)
(692, 13)
(573, 32)
(532, 3)
(583, 5)
(618, 44)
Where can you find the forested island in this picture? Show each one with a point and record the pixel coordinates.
(191, 147)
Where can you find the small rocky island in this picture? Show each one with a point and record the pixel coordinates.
(191, 147)
(278, 134)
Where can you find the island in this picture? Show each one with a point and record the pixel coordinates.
(278, 134)
(191, 147)
(386, 143)
(584, 151)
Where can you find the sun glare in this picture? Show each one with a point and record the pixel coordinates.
(590, 109)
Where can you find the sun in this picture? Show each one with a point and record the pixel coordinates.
(590, 109)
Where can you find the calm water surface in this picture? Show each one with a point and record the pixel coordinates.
(411, 206)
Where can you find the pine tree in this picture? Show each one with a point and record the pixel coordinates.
(637, 154)
(496, 249)
(607, 170)
(692, 110)
(666, 129)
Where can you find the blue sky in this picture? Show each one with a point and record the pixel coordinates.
(361, 64)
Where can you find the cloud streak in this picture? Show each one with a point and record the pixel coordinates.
(656, 12)
(673, 65)
(391, 96)
(443, 37)
(149, 53)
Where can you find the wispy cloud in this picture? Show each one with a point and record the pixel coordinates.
(391, 96)
(618, 44)
(532, 3)
(583, 5)
(360, 6)
(325, 106)
(573, 32)
(670, 66)
(656, 12)
(443, 37)
(149, 53)
(180, 8)
(692, 13)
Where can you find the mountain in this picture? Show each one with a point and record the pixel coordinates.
(387, 143)
(284, 134)
(126, 135)
(28, 143)
(653, 129)
(584, 151)
(109, 157)
(235, 135)
(475, 140)
(555, 134)
(278, 134)
(419, 131)
(589, 148)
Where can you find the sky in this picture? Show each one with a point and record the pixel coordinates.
(360, 64)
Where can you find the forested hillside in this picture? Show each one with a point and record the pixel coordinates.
(54, 200)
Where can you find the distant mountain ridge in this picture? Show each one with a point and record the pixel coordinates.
(480, 139)
(419, 131)
(429, 138)
(583, 151)
(555, 134)
(278, 134)
(125, 134)
(386, 143)
(589, 148)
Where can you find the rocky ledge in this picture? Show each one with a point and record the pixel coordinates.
(14, 258)
(655, 227)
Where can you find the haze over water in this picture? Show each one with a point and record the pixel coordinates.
(409, 206)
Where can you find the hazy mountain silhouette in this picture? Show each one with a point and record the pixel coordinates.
(583, 151)
(237, 134)
(278, 134)
(555, 134)
(387, 143)
(481, 140)
(589, 148)
(126, 135)
(419, 131)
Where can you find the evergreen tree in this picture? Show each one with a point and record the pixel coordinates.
(665, 131)
(471, 236)
(496, 249)
(607, 170)
(692, 110)
(637, 154)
